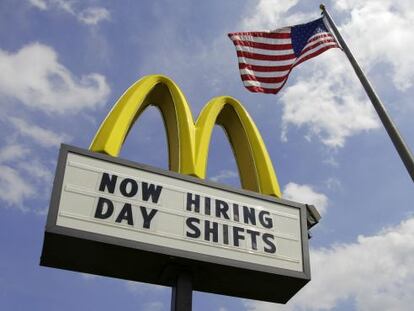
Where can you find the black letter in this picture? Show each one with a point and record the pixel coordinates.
(147, 217)
(221, 209)
(249, 215)
(151, 191)
(99, 209)
(195, 202)
(266, 222)
(133, 189)
(125, 213)
(237, 236)
(108, 182)
(226, 234)
(235, 212)
(190, 223)
(207, 201)
(208, 231)
(267, 238)
(253, 235)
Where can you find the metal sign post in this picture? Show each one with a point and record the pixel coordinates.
(182, 292)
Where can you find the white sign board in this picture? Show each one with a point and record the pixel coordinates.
(179, 217)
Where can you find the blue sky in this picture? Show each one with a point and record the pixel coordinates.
(64, 63)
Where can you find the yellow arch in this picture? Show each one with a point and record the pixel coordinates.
(188, 142)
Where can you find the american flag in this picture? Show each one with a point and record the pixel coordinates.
(267, 57)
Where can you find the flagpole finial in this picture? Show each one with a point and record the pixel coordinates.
(322, 7)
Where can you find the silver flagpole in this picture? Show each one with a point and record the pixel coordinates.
(402, 148)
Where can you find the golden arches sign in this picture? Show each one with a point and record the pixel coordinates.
(188, 142)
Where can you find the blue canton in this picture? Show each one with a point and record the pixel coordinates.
(300, 34)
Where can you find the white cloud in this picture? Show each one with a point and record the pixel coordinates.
(22, 176)
(34, 76)
(381, 32)
(14, 188)
(89, 277)
(328, 101)
(13, 152)
(89, 16)
(330, 160)
(224, 174)
(154, 306)
(40, 135)
(42, 211)
(272, 14)
(333, 184)
(143, 288)
(40, 4)
(36, 169)
(147, 290)
(375, 273)
(306, 194)
(65, 5)
(93, 16)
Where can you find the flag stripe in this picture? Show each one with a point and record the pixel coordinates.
(258, 68)
(279, 34)
(249, 49)
(266, 57)
(314, 44)
(266, 63)
(315, 51)
(263, 46)
(257, 89)
(263, 40)
(263, 84)
(319, 36)
(263, 79)
(264, 74)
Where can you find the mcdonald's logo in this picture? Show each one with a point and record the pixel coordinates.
(188, 141)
